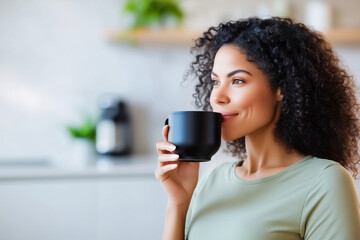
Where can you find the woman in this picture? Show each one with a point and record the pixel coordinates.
(290, 115)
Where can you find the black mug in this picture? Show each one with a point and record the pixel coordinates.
(196, 134)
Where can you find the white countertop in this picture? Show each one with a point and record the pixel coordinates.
(101, 167)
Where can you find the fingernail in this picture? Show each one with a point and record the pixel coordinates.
(171, 166)
(172, 148)
(174, 156)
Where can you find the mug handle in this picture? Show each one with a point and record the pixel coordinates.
(167, 121)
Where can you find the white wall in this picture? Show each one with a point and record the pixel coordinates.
(55, 61)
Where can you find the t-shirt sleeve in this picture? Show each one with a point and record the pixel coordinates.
(189, 216)
(331, 209)
(197, 190)
(193, 199)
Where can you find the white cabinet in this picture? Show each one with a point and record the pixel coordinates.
(133, 209)
(103, 208)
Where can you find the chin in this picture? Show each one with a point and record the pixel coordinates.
(231, 134)
(228, 138)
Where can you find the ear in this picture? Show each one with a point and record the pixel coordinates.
(279, 96)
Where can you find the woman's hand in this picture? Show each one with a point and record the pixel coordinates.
(178, 179)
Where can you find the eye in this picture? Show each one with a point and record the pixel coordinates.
(238, 81)
(215, 82)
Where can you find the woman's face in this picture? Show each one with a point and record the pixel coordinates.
(242, 94)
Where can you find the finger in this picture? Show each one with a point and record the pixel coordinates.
(164, 147)
(165, 132)
(161, 172)
(167, 158)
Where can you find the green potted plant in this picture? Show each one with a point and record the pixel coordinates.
(150, 13)
(84, 131)
(84, 136)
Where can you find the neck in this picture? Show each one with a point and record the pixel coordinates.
(264, 152)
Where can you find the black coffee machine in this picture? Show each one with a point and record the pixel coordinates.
(113, 130)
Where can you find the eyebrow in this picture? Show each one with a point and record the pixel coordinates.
(233, 72)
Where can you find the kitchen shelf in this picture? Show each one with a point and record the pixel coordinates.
(186, 37)
(157, 36)
(343, 35)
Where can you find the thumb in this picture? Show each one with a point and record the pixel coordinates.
(165, 132)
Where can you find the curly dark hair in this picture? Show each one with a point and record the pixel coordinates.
(319, 110)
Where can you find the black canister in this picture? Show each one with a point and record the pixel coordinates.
(113, 131)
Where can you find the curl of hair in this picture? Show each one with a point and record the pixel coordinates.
(319, 109)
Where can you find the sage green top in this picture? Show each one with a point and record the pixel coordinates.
(313, 199)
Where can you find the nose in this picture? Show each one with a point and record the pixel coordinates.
(220, 95)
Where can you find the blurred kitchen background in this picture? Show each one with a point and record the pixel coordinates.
(69, 68)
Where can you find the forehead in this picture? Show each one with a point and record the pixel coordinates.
(230, 57)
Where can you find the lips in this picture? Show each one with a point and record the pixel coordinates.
(228, 116)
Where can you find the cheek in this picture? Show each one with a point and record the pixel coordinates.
(266, 103)
(245, 99)
(256, 109)
(212, 100)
